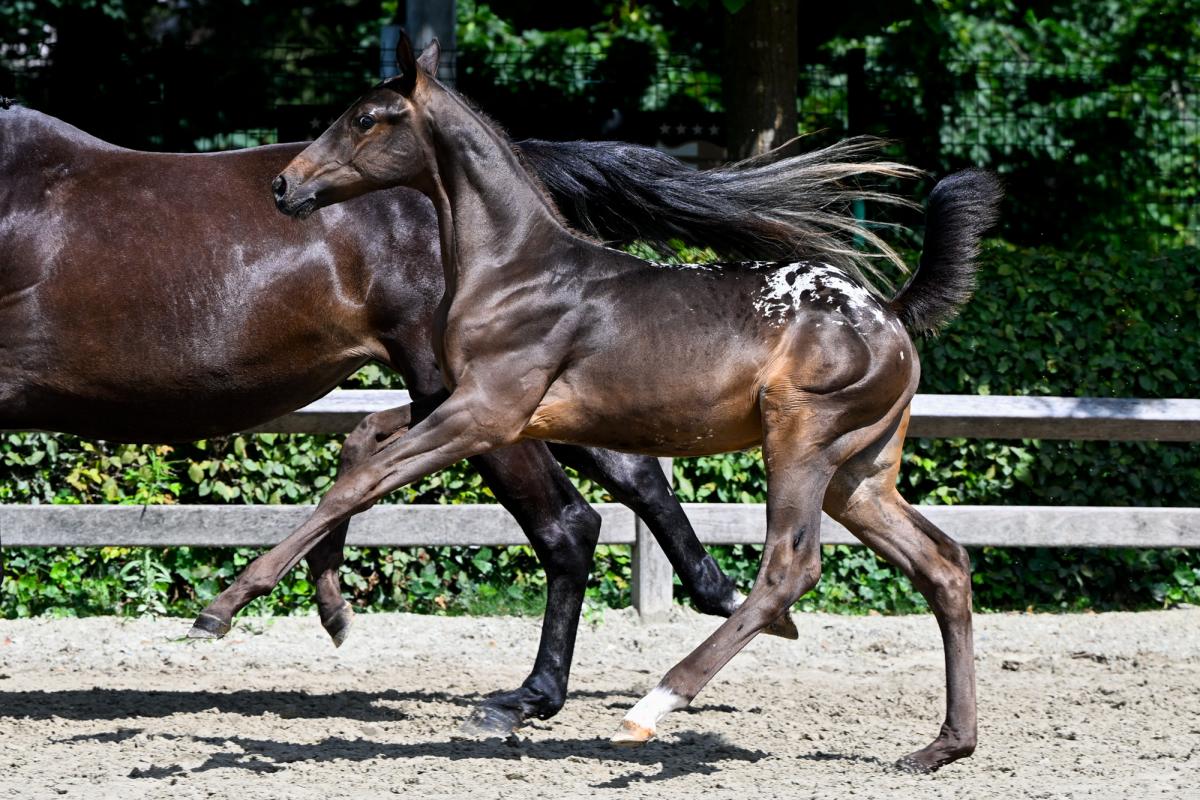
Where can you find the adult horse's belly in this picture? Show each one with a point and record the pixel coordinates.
(137, 374)
(162, 340)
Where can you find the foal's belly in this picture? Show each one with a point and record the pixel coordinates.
(651, 409)
(647, 432)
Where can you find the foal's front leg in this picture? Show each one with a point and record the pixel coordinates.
(461, 427)
(563, 529)
(326, 558)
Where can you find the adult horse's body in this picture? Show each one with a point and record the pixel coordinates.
(161, 297)
(543, 334)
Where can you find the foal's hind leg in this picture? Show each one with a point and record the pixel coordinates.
(639, 483)
(863, 497)
(798, 470)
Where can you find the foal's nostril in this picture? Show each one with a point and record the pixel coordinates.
(279, 186)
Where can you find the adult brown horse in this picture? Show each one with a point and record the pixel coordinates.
(546, 335)
(159, 297)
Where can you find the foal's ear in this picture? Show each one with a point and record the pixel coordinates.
(406, 63)
(429, 58)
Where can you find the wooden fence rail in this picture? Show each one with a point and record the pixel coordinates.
(933, 416)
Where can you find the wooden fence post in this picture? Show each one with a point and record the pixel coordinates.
(653, 577)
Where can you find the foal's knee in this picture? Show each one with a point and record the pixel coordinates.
(361, 442)
(580, 524)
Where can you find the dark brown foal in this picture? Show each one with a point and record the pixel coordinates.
(543, 334)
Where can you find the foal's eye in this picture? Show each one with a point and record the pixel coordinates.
(365, 122)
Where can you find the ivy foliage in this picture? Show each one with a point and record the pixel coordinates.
(1101, 323)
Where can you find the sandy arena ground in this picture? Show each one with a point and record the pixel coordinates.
(1070, 706)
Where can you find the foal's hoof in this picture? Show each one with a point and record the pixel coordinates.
(337, 624)
(934, 757)
(489, 722)
(630, 734)
(783, 627)
(914, 767)
(207, 626)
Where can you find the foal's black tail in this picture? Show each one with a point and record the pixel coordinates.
(799, 207)
(961, 209)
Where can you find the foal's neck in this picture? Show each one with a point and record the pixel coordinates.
(490, 209)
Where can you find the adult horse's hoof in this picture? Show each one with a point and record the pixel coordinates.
(783, 627)
(207, 626)
(337, 624)
(630, 734)
(489, 722)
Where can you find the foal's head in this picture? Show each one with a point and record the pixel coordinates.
(382, 140)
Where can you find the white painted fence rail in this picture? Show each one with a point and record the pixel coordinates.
(933, 416)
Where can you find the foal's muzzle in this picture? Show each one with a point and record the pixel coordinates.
(288, 201)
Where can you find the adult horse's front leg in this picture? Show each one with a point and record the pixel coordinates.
(639, 483)
(460, 428)
(563, 529)
(326, 558)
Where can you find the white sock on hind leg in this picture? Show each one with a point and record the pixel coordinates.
(653, 707)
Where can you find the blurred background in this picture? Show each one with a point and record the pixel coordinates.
(1089, 109)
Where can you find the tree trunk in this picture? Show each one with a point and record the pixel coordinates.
(761, 71)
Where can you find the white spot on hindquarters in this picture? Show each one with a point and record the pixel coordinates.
(654, 706)
(789, 286)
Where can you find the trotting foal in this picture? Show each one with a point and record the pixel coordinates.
(543, 334)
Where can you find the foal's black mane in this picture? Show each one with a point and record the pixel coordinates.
(794, 208)
(6, 103)
(797, 208)
(522, 158)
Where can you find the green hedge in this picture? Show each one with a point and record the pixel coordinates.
(1043, 322)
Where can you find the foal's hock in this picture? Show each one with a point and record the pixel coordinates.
(544, 334)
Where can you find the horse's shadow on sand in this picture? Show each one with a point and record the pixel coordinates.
(688, 754)
(123, 704)
(362, 706)
(685, 754)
